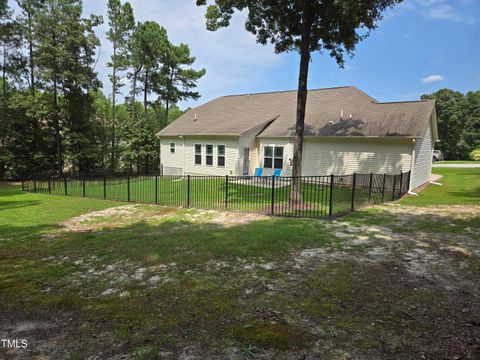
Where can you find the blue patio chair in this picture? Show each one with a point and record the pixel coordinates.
(258, 172)
(277, 172)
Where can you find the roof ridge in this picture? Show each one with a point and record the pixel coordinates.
(285, 91)
(404, 101)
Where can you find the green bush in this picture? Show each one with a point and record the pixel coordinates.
(475, 154)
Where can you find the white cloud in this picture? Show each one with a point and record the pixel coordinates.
(231, 56)
(432, 78)
(446, 10)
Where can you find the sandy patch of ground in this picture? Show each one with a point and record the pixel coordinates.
(445, 211)
(131, 213)
(224, 218)
(89, 221)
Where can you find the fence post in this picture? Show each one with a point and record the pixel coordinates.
(128, 188)
(370, 188)
(226, 191)
(83, 186)
(65, 185)
(188, 191)
(34, 186)
(23, 186)
(104, 187)
(330, 207)
(393, 187)
(401, 184)
(383, 187)
(156, 189)
(49, 186)
(408, 181)
(353, 190)
(273, 194)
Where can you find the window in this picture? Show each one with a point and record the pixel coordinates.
(273, 157)
(198, 154)
(278, 157)
(209, 151)
(221, 155)
(267, 157)
(172, 148)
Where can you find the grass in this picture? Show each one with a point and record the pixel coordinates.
(460, 186)
(36, 254)
(239, 194)
(210, 193)
(25, 214)
(149, 282)
(457, 162)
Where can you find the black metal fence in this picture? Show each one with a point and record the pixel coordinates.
(320, 196)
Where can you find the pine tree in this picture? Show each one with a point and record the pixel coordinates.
(176, 83)
(30, 9)
(65, 57)
(121, 24)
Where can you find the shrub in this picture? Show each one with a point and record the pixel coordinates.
(475, 154)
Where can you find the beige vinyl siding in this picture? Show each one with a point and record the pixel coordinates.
(325, 156)
(231, 156)
(184, 157)
(422, 166)
(249, 140)
(172, 163)
(287, 144)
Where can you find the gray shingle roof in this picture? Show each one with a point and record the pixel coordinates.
(362, 115)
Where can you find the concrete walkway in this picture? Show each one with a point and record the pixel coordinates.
(435, 177)
(456, 165)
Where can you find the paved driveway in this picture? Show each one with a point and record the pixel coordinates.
(456, 165)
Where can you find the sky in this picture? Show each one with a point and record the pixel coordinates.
(419, 47)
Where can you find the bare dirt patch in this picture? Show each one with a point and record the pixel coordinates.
(122, 215)
(91, 221)
(445, 211)
(224, 218)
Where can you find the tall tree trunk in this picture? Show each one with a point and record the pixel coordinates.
(134, 90)
(58, 140)
(295, 193)
(167, 100)
(145, 93)
(30, 49)
(4, 79)
(3, 113)
(167, 105)
(114, 97)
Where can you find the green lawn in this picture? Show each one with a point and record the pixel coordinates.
(248, 195)
(155, 282)
(457, 162)
(459, 187)
(26, 214)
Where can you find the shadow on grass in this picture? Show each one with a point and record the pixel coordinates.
(10, 205)
(186, 242)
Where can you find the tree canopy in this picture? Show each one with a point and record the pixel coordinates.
(458, 118)
(55, 117)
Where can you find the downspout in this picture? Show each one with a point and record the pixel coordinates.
(160, 154)
(183, 139)
(412, 167)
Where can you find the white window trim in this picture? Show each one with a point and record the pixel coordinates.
(224, 155)
(273, 157)
(195, 154)
(207, 155)
(174, 148)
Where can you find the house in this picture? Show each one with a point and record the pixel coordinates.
(346, 131)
